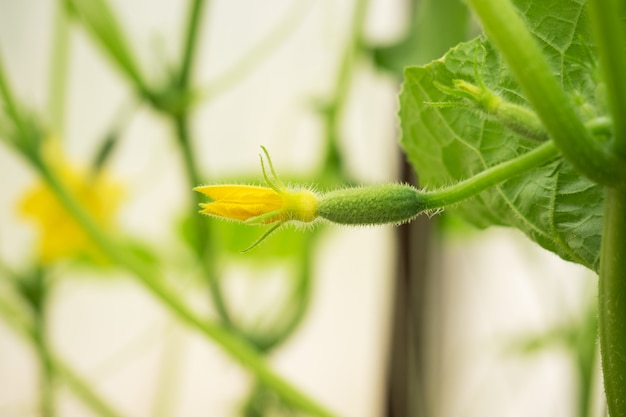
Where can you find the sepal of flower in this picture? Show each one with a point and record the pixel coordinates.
(274, 204)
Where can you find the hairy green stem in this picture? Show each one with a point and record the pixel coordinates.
(609, 28)
(612, 301)
(399, 203)
(491, 176)
(506, 29)
(231, 343)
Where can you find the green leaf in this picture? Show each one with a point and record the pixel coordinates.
(553, 204)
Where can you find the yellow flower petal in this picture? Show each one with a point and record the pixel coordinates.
(240, 202)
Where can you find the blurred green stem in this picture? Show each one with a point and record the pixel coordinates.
(9, 104)
(89, 397)
(40, 334)
(57, 84)
(27, 330)
(294, 309)
(181, 122)
(194, 19)
(202, 231)
(334, 110)
(101, 22)
(585, 357)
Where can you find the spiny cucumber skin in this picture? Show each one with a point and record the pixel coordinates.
(381, 204)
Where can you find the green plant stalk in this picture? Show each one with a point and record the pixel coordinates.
(609, 29)
(10, 105)
(201, 227)
(57, 84)
(506, 29)
(294, 310)
(99, 19)
(181, 122)
(83, 390)
(236, 347)
(193, 26)
(337, 102)
(46, 368)
(399, 203)
(491, 176)
(585, 355)
(612, 301)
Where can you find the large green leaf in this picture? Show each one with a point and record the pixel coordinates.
(552, 204)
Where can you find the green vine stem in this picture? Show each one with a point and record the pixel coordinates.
(83, 390)
(491, 176)
(335, 106)
(609, 29)
(612, 301)
(232, 344)
(506, 29)
(399, 203)
(202, 237)
(294, 310)
(105, 28)
(181, 124)
(46, 368)
(194, 19)
(57, 84)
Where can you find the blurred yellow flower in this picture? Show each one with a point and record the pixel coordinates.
(60, 235)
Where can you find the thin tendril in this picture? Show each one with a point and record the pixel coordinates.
(263, 237)
(276, 184)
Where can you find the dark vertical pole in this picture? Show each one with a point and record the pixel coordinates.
(406, 396)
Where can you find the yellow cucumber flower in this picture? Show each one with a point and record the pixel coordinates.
(61, 235)
(275, 204)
